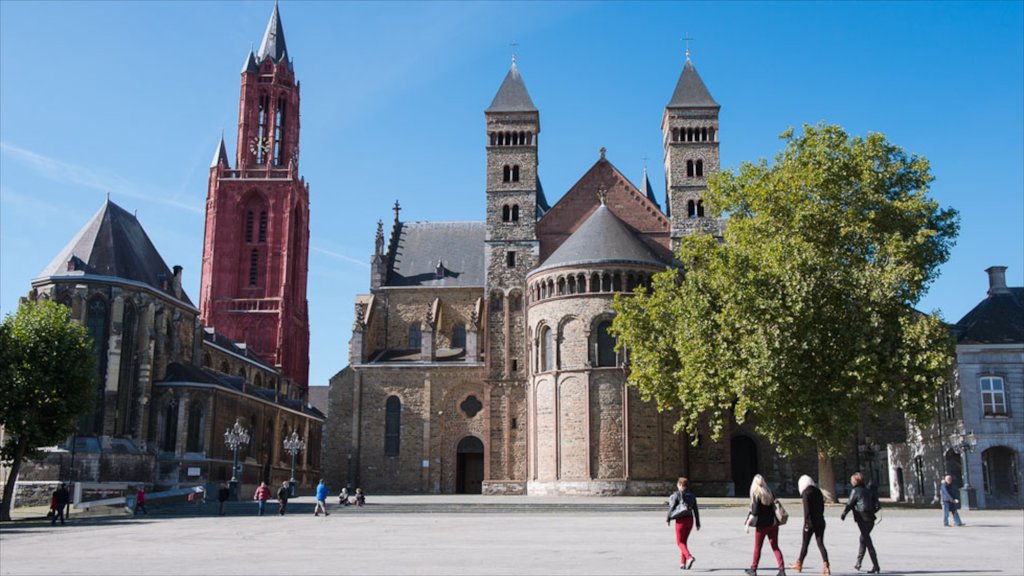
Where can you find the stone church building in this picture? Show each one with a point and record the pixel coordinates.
(480, 358)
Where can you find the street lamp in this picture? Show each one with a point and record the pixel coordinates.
(963, 442)
(870, 450)
(235, 437)
(293, 445)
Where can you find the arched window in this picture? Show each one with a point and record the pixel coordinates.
(506, 213)
(459, 336)
(605, 345)
(248, 226)
(414, 337)
(194, 440)
(675, 134)
(700, 168)
(392, 426)
(224, 369)
(700, 208)
(259, 147)
(254, 261)
(547, 349)
(97, 326)
(691, 209)
(170, 439)
(515, 212)
(126, 385)
(689, 168)
(279, 117)
(515, 173)
(207, 360)
(506, 174)
(263, 226)
(704, 134)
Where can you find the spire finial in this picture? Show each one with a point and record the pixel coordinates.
(397, 209)
(687, 40)
(108, 195)
(602, 151)
(602, 194)
(514, 45)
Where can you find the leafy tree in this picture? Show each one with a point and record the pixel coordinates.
(803, 318)
(47, 380)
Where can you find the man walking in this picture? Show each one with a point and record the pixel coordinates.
(261, 496)
(282, 497)
(223, 493)
(949, 503)
(321, 499)
(59, 503)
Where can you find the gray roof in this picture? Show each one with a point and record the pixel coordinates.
(690, 90)
(273, 39)
(113, 244)
(250, 63)
(998, 319)
(648, 190)
(601, 239)
(459, 246)
(512, 96)
(221, 155)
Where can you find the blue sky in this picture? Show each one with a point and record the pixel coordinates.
(131, 98)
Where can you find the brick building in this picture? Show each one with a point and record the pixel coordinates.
(480, 359)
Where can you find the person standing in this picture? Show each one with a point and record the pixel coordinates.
(682, 507)
(321, 499)
(223, 493)
(814, 522)
(862, 503)
(762, 518)
(282, 497)
(949, 502)
(58, 502)
(140, 500)
(261, 496)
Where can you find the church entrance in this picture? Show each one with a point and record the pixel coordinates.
(999, 468)
(744, 463)
(469, 472)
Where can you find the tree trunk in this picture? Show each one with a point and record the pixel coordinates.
(826, 476)
(12, 477)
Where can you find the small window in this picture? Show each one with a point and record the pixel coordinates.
(547, 350)
(506, 213)
(392, 426)
(993, 396)
(689, 168)
(510, 259)
(515, 173)
(459, 336)
(515, 212)
(263, 226)
(254, 261)
(700, 168)
(506, 174)
(248, 226)
(471, 406)
(414, 337)
(515, 365)
(691, 209)
(605, 345)
(700, 208)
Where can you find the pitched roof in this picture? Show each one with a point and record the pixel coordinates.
(601, 239)
(273, 44)
(113, 243)
(420, 246)
(998, 319)
(221, 155)
(691, 91)
(648, 190)
(512, 96)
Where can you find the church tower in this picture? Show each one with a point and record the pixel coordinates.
(256, 248)
(690, 136)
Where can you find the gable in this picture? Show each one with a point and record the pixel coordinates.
(626, 202)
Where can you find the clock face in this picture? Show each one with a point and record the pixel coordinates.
(258, 146)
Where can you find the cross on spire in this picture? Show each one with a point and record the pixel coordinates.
(397, 209)
(687, 39)
(514, 45)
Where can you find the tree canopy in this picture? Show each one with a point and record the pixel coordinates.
(47, 380)
(803, 317)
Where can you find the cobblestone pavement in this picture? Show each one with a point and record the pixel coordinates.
(490, 536)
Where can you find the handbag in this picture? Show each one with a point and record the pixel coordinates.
(681, 509)
(781, 516)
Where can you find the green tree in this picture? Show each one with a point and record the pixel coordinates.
(803, 318)
(48, 380)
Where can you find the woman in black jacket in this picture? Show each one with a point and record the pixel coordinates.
(862, 502)
(682, 507)
(814, 522)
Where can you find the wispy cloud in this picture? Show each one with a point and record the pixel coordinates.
(339, 256)
(104, 181)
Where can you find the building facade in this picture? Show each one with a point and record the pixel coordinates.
(977, 435)
(480, 358)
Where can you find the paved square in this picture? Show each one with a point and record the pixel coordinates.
(490, 535)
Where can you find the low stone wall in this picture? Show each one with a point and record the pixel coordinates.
(600, 488)
(504, 488)
(33, 492)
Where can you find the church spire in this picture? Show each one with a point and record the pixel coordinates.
(690, 90)
(220, 157)
(646, 188)
(273, 39)
(512, 96)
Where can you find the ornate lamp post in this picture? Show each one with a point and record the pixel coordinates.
(870, 450)
(293, 445)
(235, 437)
(963, 442)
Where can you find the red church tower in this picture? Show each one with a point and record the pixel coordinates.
(256, 248)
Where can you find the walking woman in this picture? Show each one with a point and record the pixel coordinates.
(762, 518)
(682, 507)
(862, 503)
(814, 522)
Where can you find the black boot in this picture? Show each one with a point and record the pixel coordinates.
(874, 569)
(860, 558)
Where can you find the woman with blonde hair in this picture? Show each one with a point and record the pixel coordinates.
(762, 518)
(814, 522)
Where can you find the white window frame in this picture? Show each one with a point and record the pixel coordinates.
(993, 398)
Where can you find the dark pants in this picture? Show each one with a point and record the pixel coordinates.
(865, 540)
(819, 535)
(220, 508)
(683, 527)
(772, 533)
(57, 513)
(281, 505)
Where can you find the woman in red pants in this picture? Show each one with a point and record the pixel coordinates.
(682, 507)
(762, 518)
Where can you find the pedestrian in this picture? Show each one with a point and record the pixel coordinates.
(58, 501)
(814, 522)
(862, 502)
(321, 499)
(261, 496)
(360, 497)
(223, 493)
(140, 500)
(682, 507)
(343, 497)
(949, 502)
(762, 518)
(282, 497)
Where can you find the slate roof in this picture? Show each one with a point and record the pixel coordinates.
(221, 155)
(273, 44)
(512, 95)
(178, 372)
(691, 91)
(998, 319)
(647, 189)
(114, 244)
(421, 245)
(214, 337)
(601, 239)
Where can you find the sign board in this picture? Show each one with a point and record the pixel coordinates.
(193, 471)
(426, 463)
